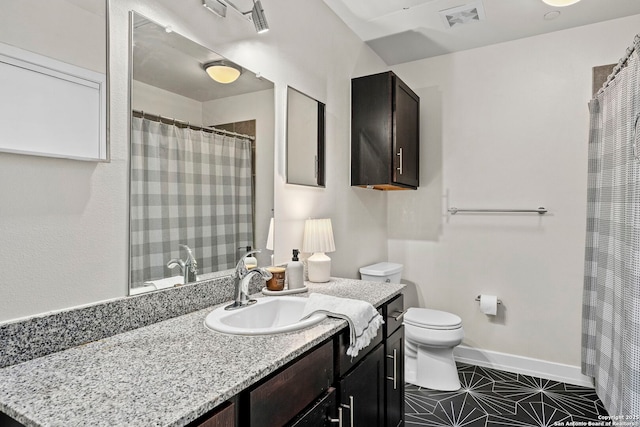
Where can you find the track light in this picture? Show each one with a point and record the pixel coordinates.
(258, 17)
(216, 7)
(223, 71)
(256, 14)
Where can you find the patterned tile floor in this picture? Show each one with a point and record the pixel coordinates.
(489, 398)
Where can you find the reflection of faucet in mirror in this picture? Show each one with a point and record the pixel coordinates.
(241, 277)
(188, 268)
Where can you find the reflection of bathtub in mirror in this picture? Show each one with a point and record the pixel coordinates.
(174, 281)
(176, 174)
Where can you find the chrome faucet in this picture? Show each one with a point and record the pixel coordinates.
(188, 268)
(241, 277)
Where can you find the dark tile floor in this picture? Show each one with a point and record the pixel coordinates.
(489, 397)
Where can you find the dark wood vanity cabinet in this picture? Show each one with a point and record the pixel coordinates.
(385, 131)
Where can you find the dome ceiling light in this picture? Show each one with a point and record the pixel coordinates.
(223, 71)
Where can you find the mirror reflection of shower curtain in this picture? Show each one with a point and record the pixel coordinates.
(611, 303)
(187, 187)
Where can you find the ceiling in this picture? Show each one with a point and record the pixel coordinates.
(407, 30)
(174, 63)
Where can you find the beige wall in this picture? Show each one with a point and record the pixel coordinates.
(505, 126)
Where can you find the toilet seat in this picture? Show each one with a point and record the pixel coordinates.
(432, 319)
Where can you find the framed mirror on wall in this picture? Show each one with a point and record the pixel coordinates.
(305, 139)
(202, 150)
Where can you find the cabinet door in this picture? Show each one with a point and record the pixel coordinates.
(406, 135)
(394, 349)
(362, 392)
(371, 129)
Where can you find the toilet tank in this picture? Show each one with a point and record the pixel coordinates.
(382, 272)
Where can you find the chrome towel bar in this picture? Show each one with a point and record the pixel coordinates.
(540, 210)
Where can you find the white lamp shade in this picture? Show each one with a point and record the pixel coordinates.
(269, 245)
(318, 236)
(318, 239)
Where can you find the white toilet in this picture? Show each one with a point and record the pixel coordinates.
(430, 336)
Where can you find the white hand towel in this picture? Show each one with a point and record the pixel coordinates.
(364, 320)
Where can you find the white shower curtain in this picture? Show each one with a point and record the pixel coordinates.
(187, 187)
(611, 305)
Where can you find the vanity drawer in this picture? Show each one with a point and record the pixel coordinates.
(283, 396)
(318, 414)
(393, 314)
(224, 416)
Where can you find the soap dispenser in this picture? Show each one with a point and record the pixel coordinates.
(250, 262)
(295, 272)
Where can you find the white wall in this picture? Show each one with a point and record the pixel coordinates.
(158, 101)
(505, 126)
(64, 224)
(59, 218)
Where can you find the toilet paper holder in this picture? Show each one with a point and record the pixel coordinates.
(478, 299)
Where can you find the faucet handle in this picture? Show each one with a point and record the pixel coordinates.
(176, 263)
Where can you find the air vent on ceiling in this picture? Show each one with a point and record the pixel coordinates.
(456, 16)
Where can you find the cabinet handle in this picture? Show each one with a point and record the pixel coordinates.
(316, 165)
(339, 420)
(400, 155)
(350, 407)
(397, 315)
(394, 378)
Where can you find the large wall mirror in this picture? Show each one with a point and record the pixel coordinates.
(201, 159)
(305, 139)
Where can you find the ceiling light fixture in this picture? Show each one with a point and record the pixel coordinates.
(223, 71)
(560, 3)
(256, 14)
(258, 17)
(215, 6)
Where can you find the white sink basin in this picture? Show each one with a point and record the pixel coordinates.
(272, 315)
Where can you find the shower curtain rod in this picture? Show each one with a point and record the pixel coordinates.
(621, 64)
(181, 123)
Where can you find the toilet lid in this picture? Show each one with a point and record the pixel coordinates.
(432, 319)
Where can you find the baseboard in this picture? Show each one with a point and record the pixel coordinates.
(522, 365)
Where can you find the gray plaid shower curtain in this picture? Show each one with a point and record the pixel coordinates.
(187, 187)
(611, 305)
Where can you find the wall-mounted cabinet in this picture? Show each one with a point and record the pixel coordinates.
(385, 133)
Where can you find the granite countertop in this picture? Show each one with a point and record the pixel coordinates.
(166, 374)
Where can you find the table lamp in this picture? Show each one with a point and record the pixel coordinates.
(318, 239)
